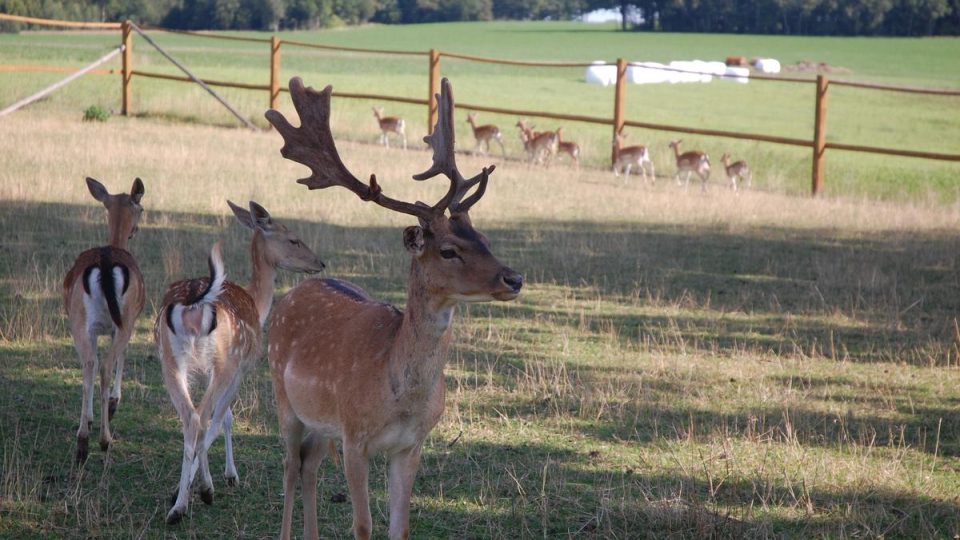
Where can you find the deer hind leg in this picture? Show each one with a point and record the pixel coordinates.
(503, 151)
(357, 469)
(311, 454)
(213, 410)
(177, 386)
(403, 470)
(110, 390)
(86, 344)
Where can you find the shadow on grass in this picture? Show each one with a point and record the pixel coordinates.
(880, 298)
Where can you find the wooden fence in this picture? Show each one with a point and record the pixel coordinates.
(821, 86)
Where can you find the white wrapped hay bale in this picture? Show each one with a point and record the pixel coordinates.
(684, 72)
(767, 65)
(601, 73)
(737, 74)
(647, 73)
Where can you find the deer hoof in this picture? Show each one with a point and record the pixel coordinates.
(232, 481)
(83, 450)
(174, 517)
(112, 407)
(206, 496)
(104, 445)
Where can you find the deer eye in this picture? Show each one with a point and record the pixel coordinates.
(448, 253)
(295, 242)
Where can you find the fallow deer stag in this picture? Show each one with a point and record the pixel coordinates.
(388, 125)
(346, 366)
(570, 148)
(484, 134)
(625, 157)
(213, 326)
(103, 293)
(691, 162)
(738, 170)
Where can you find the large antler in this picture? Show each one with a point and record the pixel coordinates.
(312, 145)
(445, 161)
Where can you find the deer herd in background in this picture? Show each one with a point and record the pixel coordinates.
(541, 147)
(345, 366)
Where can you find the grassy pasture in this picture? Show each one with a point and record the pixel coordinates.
(738, 366)
(855, 116)
(754, 365)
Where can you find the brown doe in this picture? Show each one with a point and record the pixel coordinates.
(625, 157)
(211, 326)
(691, 162)
(540, 146)
(103, 294)
(738, 170)
(346, 366)
(388, 125)
(570, 148)
(484, 134)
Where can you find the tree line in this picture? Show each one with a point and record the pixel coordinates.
(794, 17)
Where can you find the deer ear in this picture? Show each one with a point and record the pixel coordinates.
(137, 191)
(97, 190)
(413, 240)
(260, 216)
(243, 216)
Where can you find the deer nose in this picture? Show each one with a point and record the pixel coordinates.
(512, 279)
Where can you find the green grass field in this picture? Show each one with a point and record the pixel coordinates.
(855, 116)
(679, 365)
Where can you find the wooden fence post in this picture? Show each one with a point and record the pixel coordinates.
(618, 103)
(819, 134)
(127, 91)
(433, 90)
(274, 72)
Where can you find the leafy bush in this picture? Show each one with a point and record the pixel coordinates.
(95, 113)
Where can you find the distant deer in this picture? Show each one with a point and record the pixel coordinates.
(691, 162)
(570, 148)
(484, 134)
(346, 366)
(213, 326)
(540, 146)
(390, 124)
(624, 158)
(103, 294)
(738, 170)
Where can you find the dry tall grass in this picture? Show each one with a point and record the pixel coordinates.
(723, 364)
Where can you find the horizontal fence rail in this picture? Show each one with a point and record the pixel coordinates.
(618, 121)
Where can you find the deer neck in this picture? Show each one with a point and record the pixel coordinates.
(676, 151)
(119, 237)
(420, 350)
(262, 276)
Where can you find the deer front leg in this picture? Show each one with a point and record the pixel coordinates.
(86, 345)
(403, 471)
(357, 469)
(292, 431)
(230, 468)
(311, 454)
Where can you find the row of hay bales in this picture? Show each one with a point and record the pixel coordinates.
(678, 71)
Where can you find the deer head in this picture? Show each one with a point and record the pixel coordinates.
(123, 210)
(453, 257)
(283, 249)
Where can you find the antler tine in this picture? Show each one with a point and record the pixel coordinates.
(312, 145)
(445, 161)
